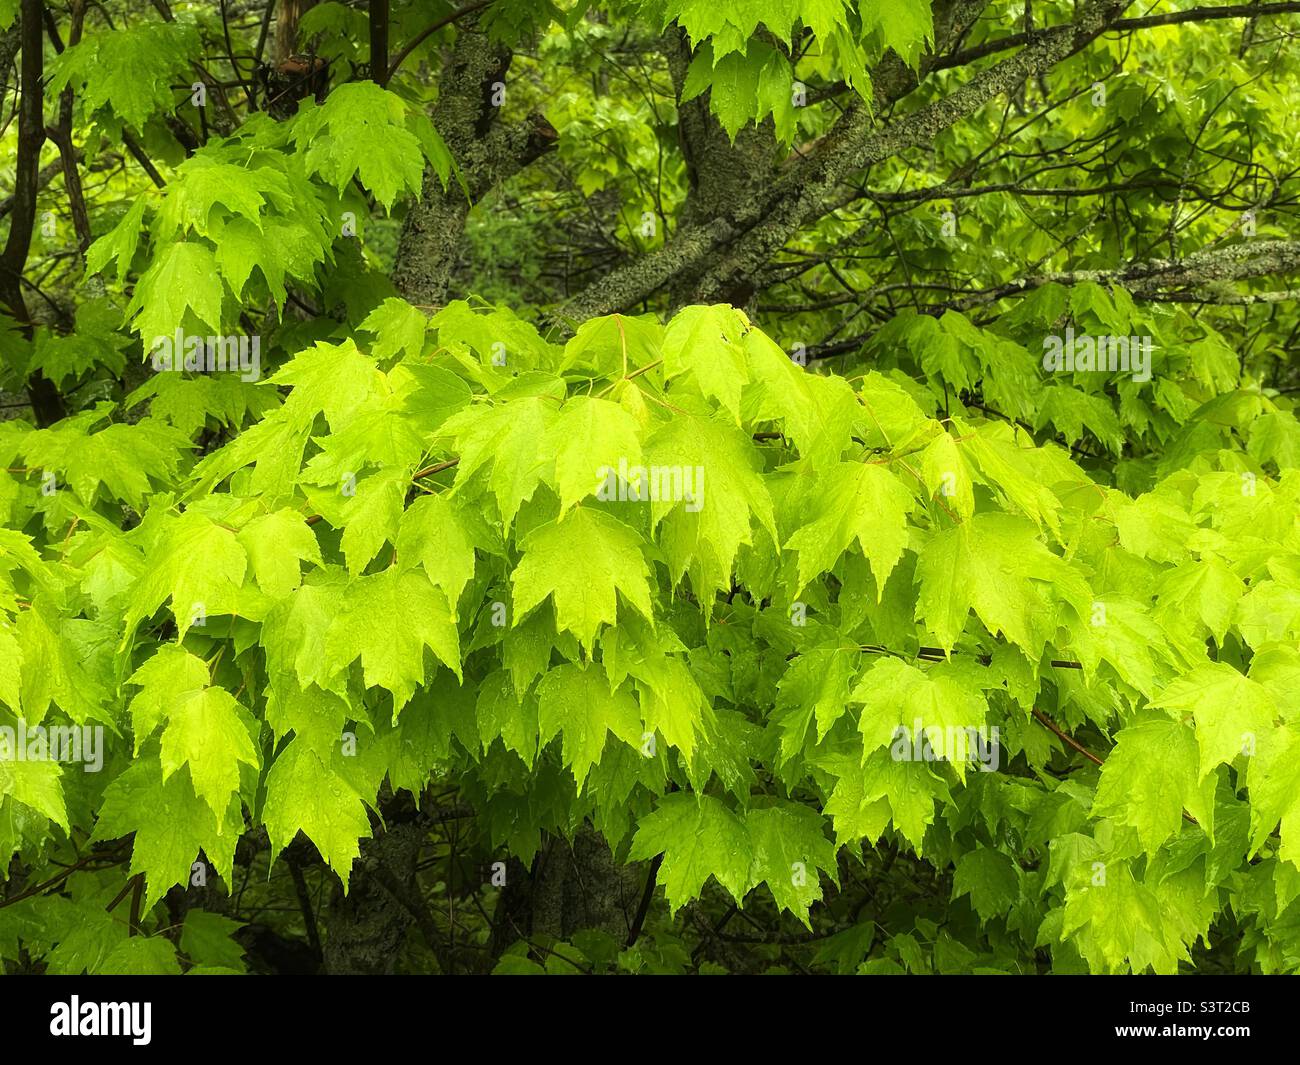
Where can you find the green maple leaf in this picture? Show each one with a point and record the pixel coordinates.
(503, 712)
(241, 247)
(59, 665)
(369, 512)
(947, 571)
(790, 849)
(205, 729)
(705, 533)
(205, 182)
(995, 563)
(911, 788)
(1123, 633)
(392, 656)
(312, 714)
(698, 837)
(441, 536)
(705, 343)
(583, 563)
(1275, 436)
(141, 956)
(672, 702)
(616, 343)
(188, 402)
(732, 84)
(304, 794)
(590, 439)
(1151, 777)
(125, 460)
(853, 500)
(822, 16)
(578, 703)
(1187, 906)
(274, 446)
(814, 688)
(494, 333)
(96, 342)
(211, 733)
(1269, 613)
(397, 327)
(853, 816)
(128, 70)
(991, 879)
(868, 796)
(11, 657)
(367, 132)
(1274, 783)
(378, 433)
(208, 939)
(1118, 921)
(330, 379)
(1071, 410)
(893, 416)
(163, 678)
(674, 705)
(183, 280)
(171, 825)
(1278, 669)
(295, 631)
(277, 544)
(36, 785)
(942, 698)
(1151, 526)
(947, 476)
(75, 936)
(700, 19)
(1007, 460)
(503, 439)
(198, 565)
(1233, 713)
(905, 26)
(119, 243)
(818, 413)
(526, 648)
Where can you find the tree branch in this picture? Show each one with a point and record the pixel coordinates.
(47, 404)
(379, 71)
(1144, 22)
(755, 230)
(1201, 277)
(429, 31)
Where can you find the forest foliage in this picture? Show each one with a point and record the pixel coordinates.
(649, 487)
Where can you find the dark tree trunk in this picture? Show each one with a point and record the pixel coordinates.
(365, 929)
(28, 35)
(570, 887)
(720, 173)
(487, 150)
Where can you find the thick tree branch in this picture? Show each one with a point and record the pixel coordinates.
(1144, 22)
(797, 202)
(487, 150)
(47, 405)
(62, 137)
(1202, 277)
(1199, 271)
(756, 230)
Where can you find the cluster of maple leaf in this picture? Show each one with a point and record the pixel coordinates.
(405, 567)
